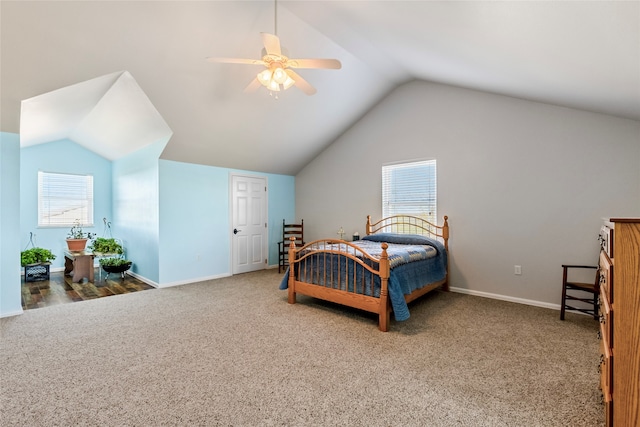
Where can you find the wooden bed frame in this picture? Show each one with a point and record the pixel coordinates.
(298, 283)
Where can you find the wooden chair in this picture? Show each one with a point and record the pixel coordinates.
(576, 291)
(288, 231)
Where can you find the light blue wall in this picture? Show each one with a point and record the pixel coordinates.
(135, 208)
(63, 156)
(10, 297)
(194, 214)
(282, 190)
(173, 217)
(194, 219)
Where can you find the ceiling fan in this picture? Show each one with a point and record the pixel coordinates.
(278, 74)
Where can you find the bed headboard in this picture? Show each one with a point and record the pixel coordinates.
(407, 224)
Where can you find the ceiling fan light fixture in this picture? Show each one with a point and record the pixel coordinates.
(264, 77)
(273, 86)
(279, 75)
(288, 83)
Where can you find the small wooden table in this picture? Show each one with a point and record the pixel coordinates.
(80, 263)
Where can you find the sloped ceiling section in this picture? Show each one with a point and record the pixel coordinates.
(109, 115)
(578, 54)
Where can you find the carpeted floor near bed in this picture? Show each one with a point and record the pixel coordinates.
(233, 352)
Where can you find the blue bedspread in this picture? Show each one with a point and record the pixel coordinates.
(415, 261)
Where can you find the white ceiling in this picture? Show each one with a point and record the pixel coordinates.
(577, 54)
(109, 115)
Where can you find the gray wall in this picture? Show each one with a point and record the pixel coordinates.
(522, 182)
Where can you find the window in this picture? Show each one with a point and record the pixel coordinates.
(410, 189)
(64, 199)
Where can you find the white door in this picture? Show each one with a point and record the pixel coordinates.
(249, 223)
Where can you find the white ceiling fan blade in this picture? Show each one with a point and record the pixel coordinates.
(271, 44)
(332, 64)
(253, 86)
(301, 83)
(236, 61)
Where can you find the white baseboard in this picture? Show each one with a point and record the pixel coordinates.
(12, 313)
(185, 282)
(143, 279)
(506, 298)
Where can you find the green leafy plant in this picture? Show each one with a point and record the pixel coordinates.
(76, 232)
(113, 262)
(106, 246)
(36, 256)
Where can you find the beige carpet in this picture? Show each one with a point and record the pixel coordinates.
(233, 352)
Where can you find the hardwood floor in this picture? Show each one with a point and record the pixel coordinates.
(59, 289)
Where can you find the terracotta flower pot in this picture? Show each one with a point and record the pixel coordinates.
(76, 245)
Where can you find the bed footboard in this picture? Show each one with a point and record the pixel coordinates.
(337, 271)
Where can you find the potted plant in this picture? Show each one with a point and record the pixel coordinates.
(36, 263)
(106, 246)
(115, 265)
(36, 256)
(77, 238)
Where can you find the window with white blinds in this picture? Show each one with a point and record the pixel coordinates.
(410, 189)
(64, 199)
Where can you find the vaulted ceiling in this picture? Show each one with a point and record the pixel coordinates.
(577, 54)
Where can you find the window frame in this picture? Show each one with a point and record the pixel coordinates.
(395, 207)
(81, 199)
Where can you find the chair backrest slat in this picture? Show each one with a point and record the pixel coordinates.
(289, 231)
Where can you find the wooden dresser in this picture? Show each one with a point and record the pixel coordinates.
(620, 321)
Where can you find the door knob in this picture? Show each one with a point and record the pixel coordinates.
(235, 231)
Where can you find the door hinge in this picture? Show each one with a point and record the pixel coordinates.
(265, 260)
(265, 225)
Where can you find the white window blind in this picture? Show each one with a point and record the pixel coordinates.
(410, 189)
(64, 199)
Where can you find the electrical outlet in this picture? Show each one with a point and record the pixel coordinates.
(517, 270)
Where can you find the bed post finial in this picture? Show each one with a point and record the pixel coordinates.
(368, 224)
